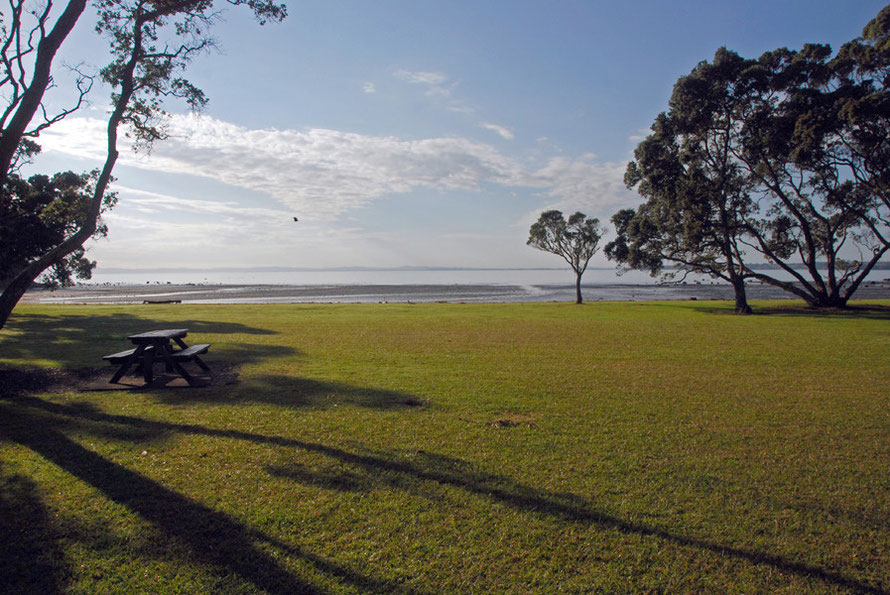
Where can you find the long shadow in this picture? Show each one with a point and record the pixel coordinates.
(81, 340)
(855, 311)
(403, 473)
(287, 391)
(30, 559)
(212, 537)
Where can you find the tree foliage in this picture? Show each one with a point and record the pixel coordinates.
(697, 193)
(151, 44)
(42, 211)
(782, 160)
(576, 240)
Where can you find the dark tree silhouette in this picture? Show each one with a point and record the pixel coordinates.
(783, 160)
(151, 43)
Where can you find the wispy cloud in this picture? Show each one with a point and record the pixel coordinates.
(369, 88)
(583, 184)
(502, 130)
(430, 79)
(438, 86)
(322, 173)
(225, 209)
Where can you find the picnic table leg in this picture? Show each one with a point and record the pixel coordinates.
(202, 365)
(126, 364)
(121, 371)
(183, 372)
(168, 363)
(174, 365)
(148, 365)
(182, 344)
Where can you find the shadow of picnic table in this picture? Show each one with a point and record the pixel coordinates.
(40, 336)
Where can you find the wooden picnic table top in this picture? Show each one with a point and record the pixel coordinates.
(159, 335)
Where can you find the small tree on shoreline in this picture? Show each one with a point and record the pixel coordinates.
(576, 240)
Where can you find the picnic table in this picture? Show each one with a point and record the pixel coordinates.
(167, 346)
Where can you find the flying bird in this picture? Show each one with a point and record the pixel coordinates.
(295, 219)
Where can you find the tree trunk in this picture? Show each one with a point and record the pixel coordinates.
(21, 282)
(11, 295)
(578, 299)
(741, 296)
(829, 300)
(41, 79)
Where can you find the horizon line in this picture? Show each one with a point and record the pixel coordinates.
(321, 269)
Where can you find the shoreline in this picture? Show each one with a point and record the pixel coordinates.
(206, 293)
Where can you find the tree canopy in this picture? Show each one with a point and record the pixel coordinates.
(41, 212)
(576, 240)
(782, 160)
(151, 44)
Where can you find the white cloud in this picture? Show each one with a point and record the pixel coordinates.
(369, 88)
(165, 202)
(586, 185)
(439, 88)
(431, 79)
(503, 131)
(318, 171)
(322, 173)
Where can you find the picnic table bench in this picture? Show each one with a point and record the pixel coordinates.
(156, 347)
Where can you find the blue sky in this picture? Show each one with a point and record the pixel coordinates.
(411, 133)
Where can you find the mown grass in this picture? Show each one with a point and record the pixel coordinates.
(431, 448)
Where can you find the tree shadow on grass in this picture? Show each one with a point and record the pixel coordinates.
(81, 340)
(855, 311)
(404, 472)
(31, 562)
(294, 392)
(374, 468)
(212, 538)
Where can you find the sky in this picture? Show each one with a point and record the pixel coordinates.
(409, 133)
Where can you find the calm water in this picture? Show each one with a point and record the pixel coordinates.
(520, 277)
(505, 285)
(372, 277)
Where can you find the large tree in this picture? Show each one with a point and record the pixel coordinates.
(697, 192)
(781, 161)
(819, 220)
(151, 43)
(575, 240)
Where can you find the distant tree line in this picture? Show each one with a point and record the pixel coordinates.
(784, 159)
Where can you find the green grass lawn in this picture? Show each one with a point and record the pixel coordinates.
(433, 448)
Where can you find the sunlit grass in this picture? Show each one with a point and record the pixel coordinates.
(452, 447)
